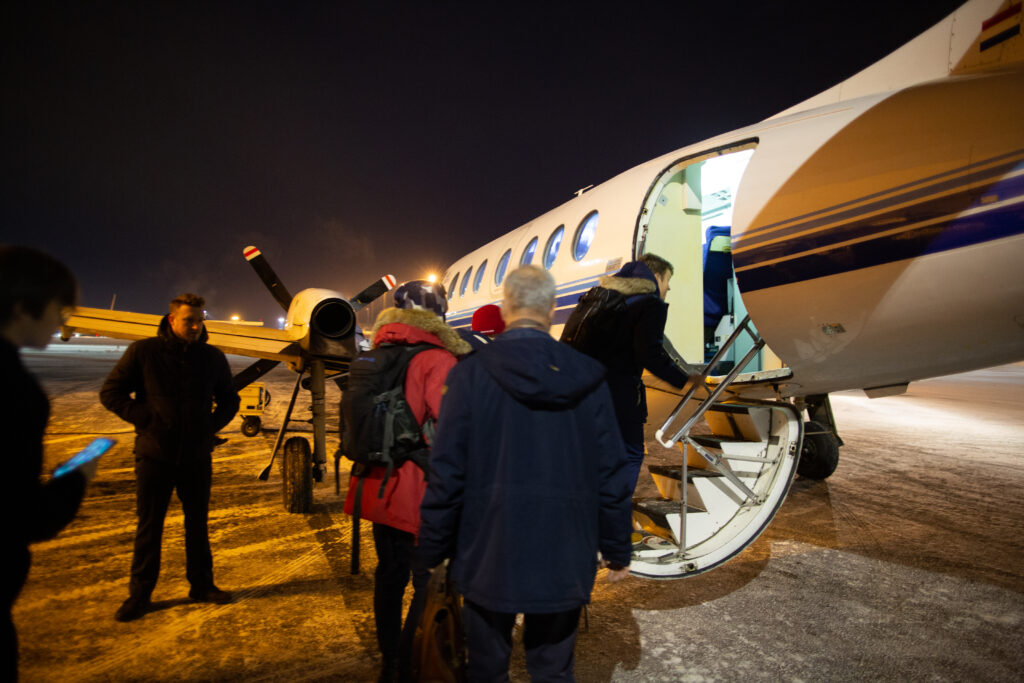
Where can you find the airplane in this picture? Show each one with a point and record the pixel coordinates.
(872, 236)
(319, 338)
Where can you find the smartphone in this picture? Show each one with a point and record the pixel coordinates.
(94, 450)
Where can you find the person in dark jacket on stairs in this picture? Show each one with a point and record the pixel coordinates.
(638, 345)
(167, 387)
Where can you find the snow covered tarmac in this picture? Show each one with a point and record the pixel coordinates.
(907, 564)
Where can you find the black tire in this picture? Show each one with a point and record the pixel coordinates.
(251, 425)
(298, 475)
(820, 454)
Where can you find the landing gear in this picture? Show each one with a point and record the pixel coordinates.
(298, 480)
(820, 454)
(251, 425)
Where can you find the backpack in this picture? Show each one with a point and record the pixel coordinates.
(380, 428)
(595, 322)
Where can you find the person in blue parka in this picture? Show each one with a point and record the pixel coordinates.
(528, 481)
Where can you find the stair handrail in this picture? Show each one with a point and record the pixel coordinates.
(701, 381)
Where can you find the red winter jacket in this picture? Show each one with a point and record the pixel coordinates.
(424, 381)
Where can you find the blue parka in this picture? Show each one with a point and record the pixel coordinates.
(528, 477)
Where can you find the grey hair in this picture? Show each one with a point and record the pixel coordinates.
(529, 288)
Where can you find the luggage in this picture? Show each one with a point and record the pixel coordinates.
(439, 645)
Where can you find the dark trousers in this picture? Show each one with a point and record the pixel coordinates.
(634, 458)
(549, 641)
(155, 481)
(396, 561)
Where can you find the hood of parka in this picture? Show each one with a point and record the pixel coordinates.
(538, 371)
(393, 323)
(633, 278)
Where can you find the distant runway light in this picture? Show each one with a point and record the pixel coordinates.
(431, 278)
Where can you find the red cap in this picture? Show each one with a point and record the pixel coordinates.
(487, 320)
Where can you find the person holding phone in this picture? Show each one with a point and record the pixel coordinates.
(36, 294)
(167, 386)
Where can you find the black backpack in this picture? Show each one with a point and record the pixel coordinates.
(594, 323)
(380, 428)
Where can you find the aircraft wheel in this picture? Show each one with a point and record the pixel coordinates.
(251, 425)
(820, 454)
(298, 475)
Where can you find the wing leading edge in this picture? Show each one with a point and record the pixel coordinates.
(242, 340)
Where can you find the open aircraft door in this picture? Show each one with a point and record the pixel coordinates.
(737, 456)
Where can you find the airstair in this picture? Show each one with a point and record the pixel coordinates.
(732, 477)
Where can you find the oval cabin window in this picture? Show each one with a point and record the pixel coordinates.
(551, 248)
(584, 236)
(527, 257)
(499, 273)
(479, 276)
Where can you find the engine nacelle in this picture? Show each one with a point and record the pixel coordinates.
(323, 323)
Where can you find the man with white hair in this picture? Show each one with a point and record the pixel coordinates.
(528, 481)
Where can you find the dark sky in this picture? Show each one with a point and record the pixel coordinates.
(145, 144)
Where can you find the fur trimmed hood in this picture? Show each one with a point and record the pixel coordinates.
(628, 286)
(426, 321)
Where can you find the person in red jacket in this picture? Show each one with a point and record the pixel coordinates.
(417, 318)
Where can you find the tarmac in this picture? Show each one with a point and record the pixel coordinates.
(907, 564)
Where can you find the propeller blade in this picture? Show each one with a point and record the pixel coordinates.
(253, 373)
(372, 292)
(256, 259)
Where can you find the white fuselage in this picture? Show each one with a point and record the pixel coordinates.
(875, 240)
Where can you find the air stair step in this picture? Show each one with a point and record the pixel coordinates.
(676, 473)
(729, 408)
(660, 517)
(718, 441)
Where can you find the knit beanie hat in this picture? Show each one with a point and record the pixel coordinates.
(487, 320)
(422, 295)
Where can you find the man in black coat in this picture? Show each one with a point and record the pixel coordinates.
(638, 345)
(528, 481)
(36, 292)
(176, 377)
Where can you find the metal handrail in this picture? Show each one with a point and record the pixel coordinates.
(701, 381)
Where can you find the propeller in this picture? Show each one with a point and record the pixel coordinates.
(253, 373)
(255, 258)
(332, 320)
(364, 297)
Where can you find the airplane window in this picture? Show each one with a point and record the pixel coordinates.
(499, 274)
(584, 236)
(465, 281)
(551, 248)
(451, 287)
(527, 256)
(479, 276)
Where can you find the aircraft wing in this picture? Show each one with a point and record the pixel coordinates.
(242, 340)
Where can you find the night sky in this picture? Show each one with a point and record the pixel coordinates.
(145, 144)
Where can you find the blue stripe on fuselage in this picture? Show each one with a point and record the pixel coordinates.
(933, 225)
(566, 297)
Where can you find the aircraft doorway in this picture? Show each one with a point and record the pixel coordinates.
(687, 219)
